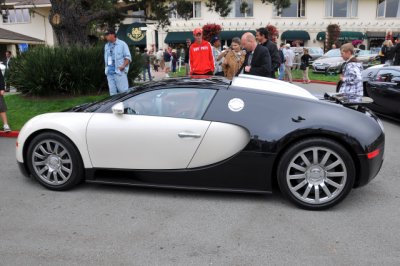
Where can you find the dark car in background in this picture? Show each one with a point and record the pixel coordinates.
(382, 84)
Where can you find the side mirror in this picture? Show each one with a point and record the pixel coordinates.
(118, 109)
(396, 80)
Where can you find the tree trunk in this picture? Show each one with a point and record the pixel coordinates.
(70, 22)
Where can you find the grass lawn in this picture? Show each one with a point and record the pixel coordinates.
(22, 108)
(297, 74)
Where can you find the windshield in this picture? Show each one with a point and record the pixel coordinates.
(96, 105)
(365, 52)
(333, 53)
(313, 50)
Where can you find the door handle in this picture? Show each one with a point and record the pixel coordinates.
(189, 135)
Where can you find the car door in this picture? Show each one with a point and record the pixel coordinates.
(385, 92)
(159, 129)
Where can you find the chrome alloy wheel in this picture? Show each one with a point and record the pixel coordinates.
(52, 162)
(316, 175)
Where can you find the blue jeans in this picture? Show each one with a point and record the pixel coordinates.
(117, 83)
(146, 68)
(281, 71)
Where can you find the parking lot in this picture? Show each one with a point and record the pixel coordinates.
(113, 225)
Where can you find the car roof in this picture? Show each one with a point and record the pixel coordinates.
(192, 81)
(247, 82)
(271, 85)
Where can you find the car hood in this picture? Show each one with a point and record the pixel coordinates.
(329, 60)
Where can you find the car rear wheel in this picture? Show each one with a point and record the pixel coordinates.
(316, 173)
(54, 161)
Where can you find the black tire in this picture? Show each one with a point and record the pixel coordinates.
(61, 158)
(316, 184)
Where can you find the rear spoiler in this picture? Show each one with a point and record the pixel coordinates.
(347, 99)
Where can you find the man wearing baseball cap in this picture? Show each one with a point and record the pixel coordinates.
(117, 58)
(216, 45)
(201, 58)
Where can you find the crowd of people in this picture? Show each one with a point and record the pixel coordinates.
(247, 54)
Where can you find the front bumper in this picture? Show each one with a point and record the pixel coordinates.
(326, 68)
(369, 168)
(23, 169)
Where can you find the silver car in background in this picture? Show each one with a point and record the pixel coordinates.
(332, 61)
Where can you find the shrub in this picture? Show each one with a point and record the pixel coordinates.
(45, 71)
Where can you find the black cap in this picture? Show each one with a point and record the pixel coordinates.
(109, 31)
(214, 39)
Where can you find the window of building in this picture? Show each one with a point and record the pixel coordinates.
(241, 8)
(196, 11)
(341, 8)
(12, 16)
(388, 8)
(296, 9)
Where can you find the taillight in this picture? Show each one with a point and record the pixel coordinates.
(373, 154)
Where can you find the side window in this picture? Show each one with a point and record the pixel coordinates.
(180, 103)
(386, 75)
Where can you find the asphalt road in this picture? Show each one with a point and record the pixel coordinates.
(111, 225)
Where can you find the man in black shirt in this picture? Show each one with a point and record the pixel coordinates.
(257, 61)
(262, 38)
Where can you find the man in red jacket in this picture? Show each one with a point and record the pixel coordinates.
(200, 55)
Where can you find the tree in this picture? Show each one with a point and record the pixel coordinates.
(333, 31)
(72, 20)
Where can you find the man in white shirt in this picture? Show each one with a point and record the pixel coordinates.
(289, 56)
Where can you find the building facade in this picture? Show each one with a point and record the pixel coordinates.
(25, 23)
(304, 21)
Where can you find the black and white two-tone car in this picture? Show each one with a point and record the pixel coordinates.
(382, 84)
(210, 134)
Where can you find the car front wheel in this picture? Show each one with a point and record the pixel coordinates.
(54, 161)
(316, 173)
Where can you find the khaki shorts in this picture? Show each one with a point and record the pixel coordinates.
(3, 106)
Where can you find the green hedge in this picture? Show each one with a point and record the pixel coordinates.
(48, 71)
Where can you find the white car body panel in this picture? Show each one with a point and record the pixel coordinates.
(272, 85)
(72, 125)
(233, 138)
(142, 142)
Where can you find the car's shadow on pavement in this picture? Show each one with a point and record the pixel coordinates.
(276, 196)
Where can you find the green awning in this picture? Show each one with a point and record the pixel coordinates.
(178, 36)
(321, 36)
(133, 34)
(295, 35)
(229, 35)
(343, 36)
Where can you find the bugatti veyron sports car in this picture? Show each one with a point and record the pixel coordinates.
(211, 134)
